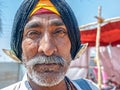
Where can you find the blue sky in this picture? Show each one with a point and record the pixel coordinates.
(85, 10)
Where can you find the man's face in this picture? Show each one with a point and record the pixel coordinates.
(46, 49)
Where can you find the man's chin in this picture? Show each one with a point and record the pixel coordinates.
(47, 78)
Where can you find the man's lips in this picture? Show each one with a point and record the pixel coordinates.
(47, 67)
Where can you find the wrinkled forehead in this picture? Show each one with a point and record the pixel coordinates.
(45, 16)
(46, 19)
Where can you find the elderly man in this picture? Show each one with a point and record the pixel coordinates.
(46, 38)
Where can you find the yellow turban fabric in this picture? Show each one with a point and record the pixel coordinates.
(45, 4)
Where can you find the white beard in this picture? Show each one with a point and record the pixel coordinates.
(45, 79)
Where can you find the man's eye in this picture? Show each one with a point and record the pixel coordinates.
(33, 34)
(60, 32)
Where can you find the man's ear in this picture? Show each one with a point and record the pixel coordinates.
(81, 50)
(12, 55)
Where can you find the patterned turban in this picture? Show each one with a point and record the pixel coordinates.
(26, 10)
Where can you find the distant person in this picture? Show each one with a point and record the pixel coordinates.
(46, 37)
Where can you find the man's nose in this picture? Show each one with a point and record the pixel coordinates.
(47, 45)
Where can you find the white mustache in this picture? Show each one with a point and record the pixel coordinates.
(46, 60)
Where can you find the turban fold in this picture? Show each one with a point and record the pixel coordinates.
(43, 11)
(25, 11)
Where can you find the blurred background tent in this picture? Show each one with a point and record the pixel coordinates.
(109, 49)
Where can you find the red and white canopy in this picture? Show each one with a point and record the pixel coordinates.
(110, 34)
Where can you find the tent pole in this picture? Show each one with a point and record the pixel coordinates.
(100, 20)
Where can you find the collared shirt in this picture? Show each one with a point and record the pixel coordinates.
(24, 85)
